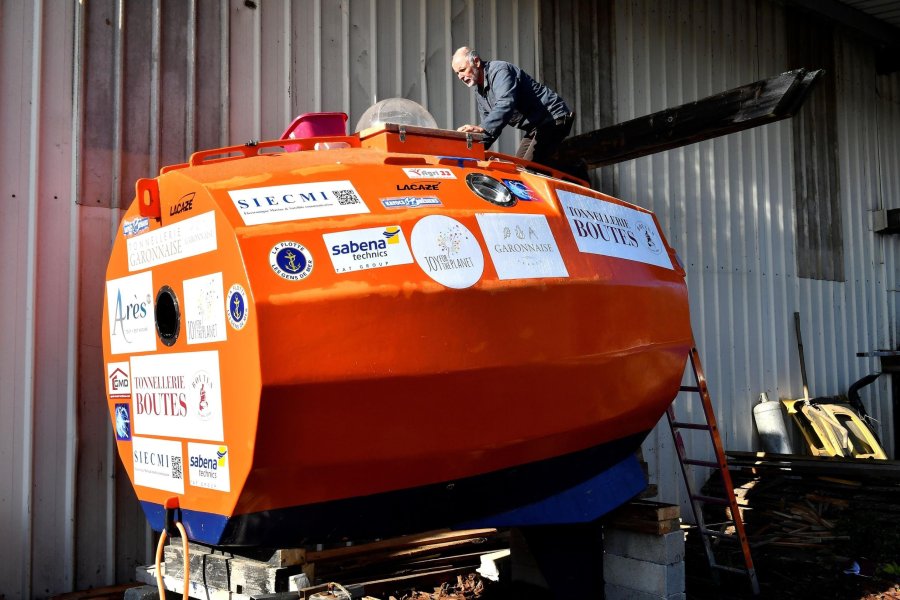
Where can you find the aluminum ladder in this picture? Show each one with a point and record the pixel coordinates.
(721, 464)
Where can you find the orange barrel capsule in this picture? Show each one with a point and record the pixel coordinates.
(382, 333)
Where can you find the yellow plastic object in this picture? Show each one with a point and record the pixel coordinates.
(833, 430)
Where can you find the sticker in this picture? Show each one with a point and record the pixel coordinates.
(177, 395)
(521, 246)
(123, 422)
(410, 202)
(184, 204)
(129, 304)
(118, 380)
(157, 464)
(237, 306)
(135, 226)
(203, 299)
(610, 229)
(419, 187)
(520, 189)
(428, 173)
(367, 249)
(291, 261)
(447, 251)
(297, 201)
(208, 467)
(193, 236)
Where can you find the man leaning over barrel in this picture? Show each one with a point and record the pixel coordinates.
(507, 95)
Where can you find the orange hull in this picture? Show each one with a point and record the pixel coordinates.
(304, 329)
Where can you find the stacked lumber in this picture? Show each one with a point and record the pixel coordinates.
(440, 564)
(808, 519)
(645, 516)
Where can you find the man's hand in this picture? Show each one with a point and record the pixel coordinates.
(470, 129)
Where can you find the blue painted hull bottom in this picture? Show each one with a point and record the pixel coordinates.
(576, 488)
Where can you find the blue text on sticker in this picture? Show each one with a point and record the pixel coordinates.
(135, 226)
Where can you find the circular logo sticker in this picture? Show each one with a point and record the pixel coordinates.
(447, 251)
(654, 244)
(236, 303)
(291, 261)
(518, 188)
(202, 385)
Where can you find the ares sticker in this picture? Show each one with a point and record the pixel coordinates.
(291, 261)
(237, 306)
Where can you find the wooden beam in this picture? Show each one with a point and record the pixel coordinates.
(740, 108)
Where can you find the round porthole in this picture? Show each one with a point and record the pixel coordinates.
(490, 189)
(168, 315)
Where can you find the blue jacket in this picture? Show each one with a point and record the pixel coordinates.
(510, 96)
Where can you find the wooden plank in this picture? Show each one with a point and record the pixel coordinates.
(740, 108)
(423, 539)
(647, 510)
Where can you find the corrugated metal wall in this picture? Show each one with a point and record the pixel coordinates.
(101, 92)
(728, 206)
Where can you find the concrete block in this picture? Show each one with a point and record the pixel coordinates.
(643, 576)
(617, 592)
(661, 549)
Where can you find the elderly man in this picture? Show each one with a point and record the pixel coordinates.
(507, 95)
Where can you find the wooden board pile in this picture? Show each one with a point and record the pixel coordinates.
(810, 519)
(432, 565)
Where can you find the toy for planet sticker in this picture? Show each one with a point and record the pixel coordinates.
(202, 309)
(447, 251)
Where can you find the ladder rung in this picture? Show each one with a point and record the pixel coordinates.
(719, 534)
(730, 569)
(711, 500)
(682, 425)
(700, 463)
(689, 388)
